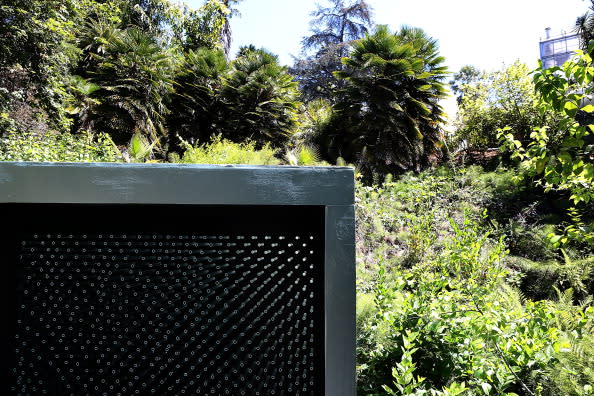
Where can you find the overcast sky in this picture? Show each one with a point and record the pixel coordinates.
(482, 33)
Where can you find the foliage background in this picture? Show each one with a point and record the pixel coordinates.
(470, 280)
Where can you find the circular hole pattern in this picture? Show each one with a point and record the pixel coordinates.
(155, 313)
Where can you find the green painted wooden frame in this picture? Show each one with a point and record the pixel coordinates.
(331, 187)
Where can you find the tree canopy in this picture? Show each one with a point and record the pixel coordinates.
(584, 26)
(158, 74)
(103, 66)
(334, 29)
(488, 101)
(388, 118)
(562, 157)
(261, 99)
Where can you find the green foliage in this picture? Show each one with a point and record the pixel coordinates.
(447, 319)
(261, 99)
(561, 158)
(303, 156)
(203, 28)
(135, 76)
(584, 26)
(19, 109)
(388, 118)
(38, 37)
(573, 372)
(540, 280)
(438, 310)
(334, 29)
(314, 119)
(221, 151)
(315, 74)
(54, 147)
(105, 66)
(197, 102)
(229, 11)
(465, 77)
(139, 149)
(35, 34)
(489, 101)
(252, 98)
(153, 17)
(81, 102)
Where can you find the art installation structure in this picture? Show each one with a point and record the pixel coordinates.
(172, 279)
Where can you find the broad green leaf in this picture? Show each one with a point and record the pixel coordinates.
(540, 165)
(396, 106)
(564, 157)
(570, 108)
(555, 239)
(588, 172)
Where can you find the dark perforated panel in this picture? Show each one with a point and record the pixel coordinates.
(129, 309)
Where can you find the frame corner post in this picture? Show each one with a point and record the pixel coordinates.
(340, 301)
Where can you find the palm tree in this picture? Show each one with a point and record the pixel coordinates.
(388, 118)
(135, 75)
(95, 39)
(196, 100)
(260, 98)
(83, 102)
(584, 26)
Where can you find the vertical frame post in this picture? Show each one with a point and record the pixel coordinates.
(340, 301)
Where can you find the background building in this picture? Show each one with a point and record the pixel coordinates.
(556, 50)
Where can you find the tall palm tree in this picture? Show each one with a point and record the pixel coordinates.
(136, 79)
(388, 118)
(260, 98)
(196, 100)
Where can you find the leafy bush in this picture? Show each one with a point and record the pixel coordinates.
(53, 146)
(303, 155)
(561, 158)
(314, 119)
(438, 309)
(469, 327)
(222, 151)
(489, 101)
(541, 280)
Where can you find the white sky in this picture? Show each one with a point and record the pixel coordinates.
(482, 33)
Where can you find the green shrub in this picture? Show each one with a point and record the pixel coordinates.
(222, 151)
(560, 158)
(438, 309)
(54, 146)
(304, 155)
(530, 241)
(574, 370)
(452, 321)
(491, 100)
(540, 280)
